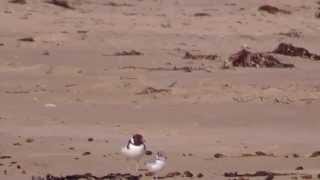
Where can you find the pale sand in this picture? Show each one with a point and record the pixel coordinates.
(235, 111)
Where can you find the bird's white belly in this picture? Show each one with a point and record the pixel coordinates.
(133, 151)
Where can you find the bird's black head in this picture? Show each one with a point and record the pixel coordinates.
(137, 139)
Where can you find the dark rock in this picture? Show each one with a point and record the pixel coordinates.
(187, 174)
(245, 58)
(148, 153)
(299, 168)
(29, 140)
(200, 175)
(219, 155)
(86, 153)
(315, 154)
(90, 139)
(295, 155)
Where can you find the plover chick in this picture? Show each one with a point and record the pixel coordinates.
(135, 149)
(157, 165)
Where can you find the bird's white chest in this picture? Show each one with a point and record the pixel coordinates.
(133, 151)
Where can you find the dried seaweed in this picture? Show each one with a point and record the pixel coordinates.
(18, 1)
(188, 55)
(88, 176)
(273, 10)
(128, 53)
(61, 3)
(257, 174)
(245, 58)
(291, 50)
(152, 90)
(184, 68)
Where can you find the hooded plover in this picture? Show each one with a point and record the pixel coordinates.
(157, 165)
(135, 149)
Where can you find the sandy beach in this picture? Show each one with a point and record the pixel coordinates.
(109, 69)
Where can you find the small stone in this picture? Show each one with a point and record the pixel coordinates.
(260, 153)
(219, 155)
(148, 153)
(199, 175)
(86, 153)
(29, 140)
(18, 167)
(315, 154)
(299, 168)
(187, 174)
(295, 155)
(90, 139)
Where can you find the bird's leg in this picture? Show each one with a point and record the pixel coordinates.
(137, 165)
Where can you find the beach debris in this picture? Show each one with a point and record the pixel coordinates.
(152, 90)
(245, 58)
(27, 39)
(1, 44)
(315, 154)
(189, 55)
(61, 3)
(129, 53)
(273, 10)
(291, 50)
(18, 1)
(90, 139)
(49, 105)
(299, 168)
